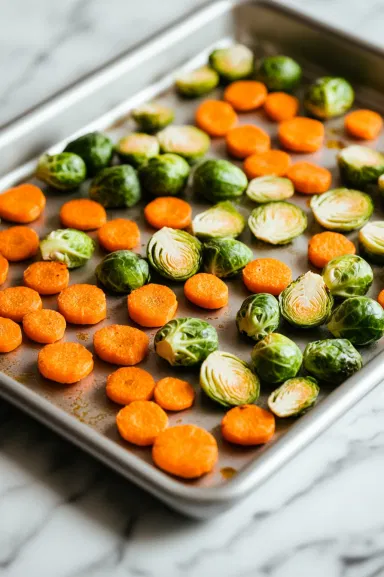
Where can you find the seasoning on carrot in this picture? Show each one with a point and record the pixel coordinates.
(215, 117)
(44, 326)
(22, 204)
(4, 268)
(281, 106)
(65, 363)
(301, 134)
(309, 178)
(206, 291)
(119, 234)
(173, 394)
(267, 275)
(152, 305)
(242, 141)
(16, 302)
(18, 243)
(83, 214)
(46, 277)
(325, 246)
(82, 304)
(168, 211)
(248, 425)
(245, 95)
(141, 422)
(380, 298)
(364, 124)
(10, 335)
(121, 345)
(275, 162)
(130, 384)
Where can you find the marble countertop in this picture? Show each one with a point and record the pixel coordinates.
(62, 514)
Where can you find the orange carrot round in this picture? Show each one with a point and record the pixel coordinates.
(301, 134)
(174, 394)
(280, 106)
(242, 141)
(309, 178)
(83, 214)
(82, 304)
(130, 384)
(267, 275)
(274, 162)
(119, 234)
(47, 277)
(18, 243)
(152, 305)
(44, 326)
(10, 335)
(65, 363)
(248, 425)
(168, 211)
(141, 422)
(4, 268)
(325, 246)
(380, 298)
(215, 117)
(364, 124)
(206, 291)
(22, 204)
(16, 302)
(121, 345)
(245, 95)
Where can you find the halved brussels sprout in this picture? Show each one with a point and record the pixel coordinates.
(95, 148)
(197, 82)
(63, 171)
(294, 397)
(187, 141)
(360, 165)
(342, 209)
(219, 180)
(258, 316)
(232, 63)
(279, 73)
(225, 257)
(328, 97)
(175, 254)
(358, 319)
(69, 246)
(186, 342)
(380, 183)
(137, 148)
(306, 302)
(116, 187)
(221, 220)
(277, 222)
(276, 358)
(164, 175)
(332, 360)
(371, 241)
(153, 116)
(348, 276)
(269, 188)
(122, 271)
(228, 380)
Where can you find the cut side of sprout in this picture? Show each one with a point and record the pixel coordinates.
(371, 241)
(342, 209)
(294, 397)
(360, 165)
(232, 63)
(193, 83)
(222, 220)
(174, 254)
(187, 141)
(269, 188)
(137, 148)
(277, 222)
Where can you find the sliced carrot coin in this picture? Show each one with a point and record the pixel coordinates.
(130, 384)
(152, 305)
(280, 106)
(44, 326)
(325, 246)
(82, 304)
(121, 345)
(206, 291)
(168, 211)
(4, 268)
(267, 275)
(141, 422)
(16, 302)
(10, 335)
(245, 95)
(274, 162)
(364, 124)
(18, 243)
(22, 204)
(65, 363)
(309, 178)
(215, 117)
(248, 425)
(380, 298)
(46, 277)
(174, 394)
(83, 214)
(242, 141)
(119, 234)
(301, 134)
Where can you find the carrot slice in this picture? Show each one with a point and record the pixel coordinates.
(380, 298)
(10, 335)
(47, 278)
(267, 275)
(174, 394)
(301, 134)
(248, 425)
(82, 304)
(141, 422)
(23, 203)
(4, 268)
(130, 384)
(16, 302)
(364, 124)
(245, 95)
(275, 162)
(168, 211)
(325, 246)
(242, 141)
(121, 345)
(152, 305)
(44, 326)
(280, 106)
(187, 451)
(119, 234)
(18, 243)
(215, 117)
(65, 363)
(309, 178)
(206, 291)
(83, 214)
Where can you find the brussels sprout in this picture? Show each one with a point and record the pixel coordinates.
(95, 148)
(228, 380)
(187, 141)
(69, 246)
(269, 188)
(63, 171)
(164, 175)
(332, 360)
(137, 148)
(175, 254)
(225, 257)
(122, 271)
(221, 220)
(232, 63)
(116, 187)
(348, 276)
(279, 73)
(219, 180)
(276, 358)
(371, 241)
(153, 116)
(328, 97)
(258, 316)
(277, 222)
(197, 82)
(294, 397)
(306, 302)
(380, 184)
(342, 209)
(358, 319)
(186, 342)
(360, 165)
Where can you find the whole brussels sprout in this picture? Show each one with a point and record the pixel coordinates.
(279, 73)
(197, 82)
(137, 148)
(232, 63)
(348, 276)
(175, 254)
(187, 141)
(371, 241)
(116, 187)
(122, 271)
(276, 358)
(95, 148)
(358, 319)
(69, 246)
(277, 222)
(342, 209)
(221, 220)
(228, 380)
(258, 316)
(269, 188)
(294, 397)
(62, 171)
(332, 360)
(328, 97)
(360, 165)
(225, 257)
(219, 180)
(186, 342)
(153, 116)
(164, 175)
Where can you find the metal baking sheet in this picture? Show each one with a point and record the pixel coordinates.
(82, 412)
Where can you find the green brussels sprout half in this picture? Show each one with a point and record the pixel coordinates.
(153, 116)
(137, 148)
(95, 148)
(306, 302)
(175, 254)
(221, 220)
(225, 257)
(69, 246)
(232, 63)
(258, 316)
(116, 187)
(197, 82)
(277, 222)
(187, 141)
(186, 342)
(219, 180)
(164, 175)
(294, 397)
(63, 171)
(358, 319)
(122, 271)
(269, 188)
(276, 358)
(342, 209)
(328, 97)
(371, 241)
(332, 360)
(228, 380)
(279, 73)
(360, 165)
(380, 184)
(348, 276)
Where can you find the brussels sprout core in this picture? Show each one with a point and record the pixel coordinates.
(348, 276)
(164, 175)
(276, 358)
(342, 209)
(232, 63)
(153, 116)
(95, 148)
(277, 222)
(122, 271)
(222, 220)
(69, 246)
(63, 171)
(371, 241)
(332, 360)
(359, 319)
(219, 180)
(197, 82)
(137, 148)
(175, 254)
(360, 165)
(269, 188)
(187, 141)
(294, 397)
(258, 316)
(225, 257)
(116, 187)
(279, 73)
(329, 96)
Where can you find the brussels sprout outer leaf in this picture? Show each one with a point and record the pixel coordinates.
(358, 319)
(187, 141)
(269, 188)
(329, 96)
(175, 254)
(225, 257)
(276, 358)
(192, 84)
(232, 63)
(360, 165)
(122, 271)
(294, 397)
(342, 209)
(164, 175)
(348, 276)
(332, 360)
(95, 148)
(219, 180)
(153, 116)
(279, 73)
(137, 148)
(371, 241)
(116, 187)
(63, 171)
(69, 246)
(277, 222)
(221, 220)
(258, 316)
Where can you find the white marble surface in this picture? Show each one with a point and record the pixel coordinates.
(64, 515)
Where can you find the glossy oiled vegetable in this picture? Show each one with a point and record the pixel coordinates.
(219, 180)
(187, 141)
(358, 319)
(276, 358)
(269, 188)
(63, 171)
(258, 316)
(116, 187)
(225, 257)
(193, 83)
(69, 246)
(371, 241)
(175, 254)
(348, 276)
(267, 275)
(329, 96)
(232, 63)
(332, 360)
(360, 165)
(279, 73)
(153, 116)
(277, 222)
(294, 397)
(137, 148)
(164, 175)
(122, 271)
(221, 220)
(342, 209)
(95, 148)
